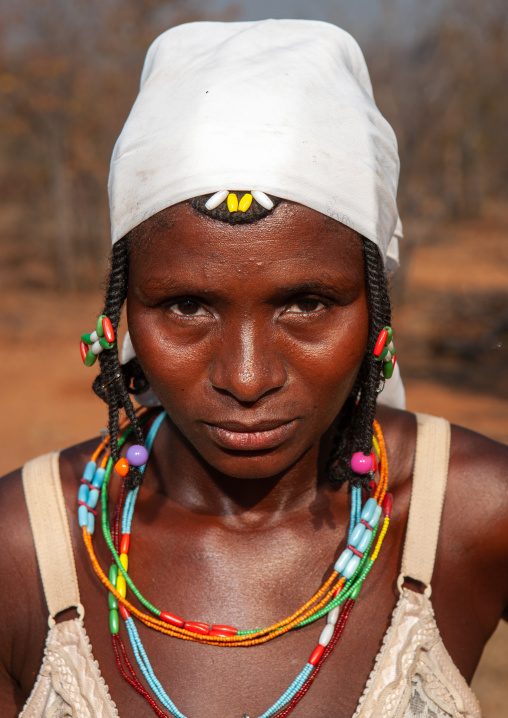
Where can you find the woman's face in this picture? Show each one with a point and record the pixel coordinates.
(250, 335)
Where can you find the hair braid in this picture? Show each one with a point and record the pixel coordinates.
(112, 383)
(354, 424)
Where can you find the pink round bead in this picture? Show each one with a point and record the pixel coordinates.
(361, 464)
(137, 455)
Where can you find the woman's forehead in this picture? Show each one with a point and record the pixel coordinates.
(181, 234)
(183, 220)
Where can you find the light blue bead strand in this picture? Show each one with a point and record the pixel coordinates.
(89, 471)
(291, 691)
(368, 510)
(93, 497)
(155, 685)
(353, 564)
(83, 493)
(343, 560)
(357, 490)
(130, 501)
(98, 478)
(364, 542)
(82, 516)
(375, 516)
(147, 670)
(356, 505)
(357, 535)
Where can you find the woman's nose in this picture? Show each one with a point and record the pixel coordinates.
(247, 366)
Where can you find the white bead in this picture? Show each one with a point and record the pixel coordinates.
(262, 199)
(93, 337)
(390, 347)
(388, 356)
(96, 348)
(217, 199)
(326, 635)
(333, 616)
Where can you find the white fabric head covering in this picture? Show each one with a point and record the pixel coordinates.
(282, 106)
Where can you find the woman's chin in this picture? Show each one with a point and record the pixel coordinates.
(255, 465)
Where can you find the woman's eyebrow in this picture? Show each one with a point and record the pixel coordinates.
(170, 285)
(308, 287)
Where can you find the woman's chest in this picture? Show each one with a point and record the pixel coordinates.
(203, 680)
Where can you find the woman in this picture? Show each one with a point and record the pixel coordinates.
(260, 321)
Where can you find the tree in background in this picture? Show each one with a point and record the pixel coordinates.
(447, 98)
(69, 73)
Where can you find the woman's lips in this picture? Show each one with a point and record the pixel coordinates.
(250, 439)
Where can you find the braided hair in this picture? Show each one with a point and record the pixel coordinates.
(353, 427)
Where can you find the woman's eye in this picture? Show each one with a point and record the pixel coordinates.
(187, 308)
(306, 305)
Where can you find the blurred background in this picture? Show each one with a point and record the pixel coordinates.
(69, 72)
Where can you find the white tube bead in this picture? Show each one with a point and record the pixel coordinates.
(326, 634)
(93, 337)
(262, 199)
(333, 616)
(216, 199)
(388, 356)
(96, 348)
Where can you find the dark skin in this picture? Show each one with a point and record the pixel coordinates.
(263, 325)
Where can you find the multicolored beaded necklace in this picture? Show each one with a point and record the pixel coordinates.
(340, 590)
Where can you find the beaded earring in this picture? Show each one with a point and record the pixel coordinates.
(385, 351)
(91, 345)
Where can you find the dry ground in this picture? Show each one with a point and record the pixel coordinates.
(451, 324)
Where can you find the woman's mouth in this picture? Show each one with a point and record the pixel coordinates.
(263, 435)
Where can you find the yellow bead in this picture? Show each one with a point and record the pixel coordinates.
(245, 202)
(121, 586)
(232, 202)
(124, 560)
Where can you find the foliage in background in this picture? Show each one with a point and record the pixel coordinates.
(69, 73)
(446, 96)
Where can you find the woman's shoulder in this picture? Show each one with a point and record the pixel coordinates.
(476, 498)
(474, 458)
(18, 561)
(70, 462)
(473, 539)
(23, 632)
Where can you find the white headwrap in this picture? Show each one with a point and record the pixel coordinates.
(281, 106)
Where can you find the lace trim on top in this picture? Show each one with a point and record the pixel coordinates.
(413, 674)
(69, 683)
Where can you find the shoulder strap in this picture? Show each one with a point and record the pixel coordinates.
(427, 496)
(50, 530)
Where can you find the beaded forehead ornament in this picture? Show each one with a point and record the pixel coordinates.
(234, 205)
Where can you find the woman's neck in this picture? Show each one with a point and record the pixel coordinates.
(176, 470)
